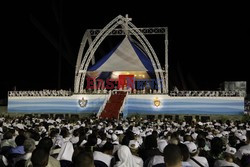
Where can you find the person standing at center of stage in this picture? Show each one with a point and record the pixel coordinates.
(115, 90)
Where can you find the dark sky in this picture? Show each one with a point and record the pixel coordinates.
(208, 43)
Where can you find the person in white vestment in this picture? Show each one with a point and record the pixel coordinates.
(126, 158)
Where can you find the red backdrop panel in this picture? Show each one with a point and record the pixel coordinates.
(126, 80)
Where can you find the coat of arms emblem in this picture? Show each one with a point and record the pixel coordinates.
(157, 102)
(82, 102)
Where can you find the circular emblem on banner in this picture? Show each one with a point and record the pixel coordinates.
(82, 102)
(157, 102)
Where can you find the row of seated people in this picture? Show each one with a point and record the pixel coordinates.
(130, 91)
(247, 105)
(133, 91)
(40, 93)
(207, 93)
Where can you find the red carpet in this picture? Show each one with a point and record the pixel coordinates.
(112, 107)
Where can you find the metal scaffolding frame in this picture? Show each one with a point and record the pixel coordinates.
(128, 28)
(120, 31)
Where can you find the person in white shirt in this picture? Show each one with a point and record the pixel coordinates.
(158, 160)
(134, 146)
(126, 158)
(195, 160)
(104, 157)
(228, 158)
(244, 149)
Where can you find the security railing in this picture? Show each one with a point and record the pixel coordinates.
(103, 105)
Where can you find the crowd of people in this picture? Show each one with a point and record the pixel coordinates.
(130, 91)
(208, 93)
(133, 142)
(201, 93)
(44, 92)
(247, 105)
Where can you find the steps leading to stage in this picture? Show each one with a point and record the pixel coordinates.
(113, 105)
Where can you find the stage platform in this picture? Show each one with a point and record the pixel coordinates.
(142, 104)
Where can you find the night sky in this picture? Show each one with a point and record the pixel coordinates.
(208, 44)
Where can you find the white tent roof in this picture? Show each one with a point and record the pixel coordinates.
(124, 58)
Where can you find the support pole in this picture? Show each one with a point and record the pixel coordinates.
(166, 59)
(127, 19)
(90, 41)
